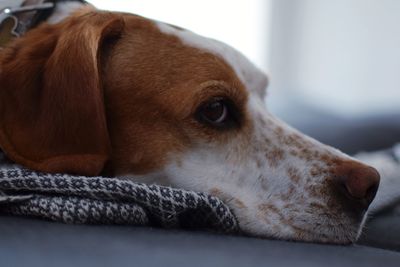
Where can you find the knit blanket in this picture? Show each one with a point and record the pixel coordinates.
(101, 200)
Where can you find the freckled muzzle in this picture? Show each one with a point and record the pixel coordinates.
(311, 192)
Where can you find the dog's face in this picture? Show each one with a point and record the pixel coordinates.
(157, 103)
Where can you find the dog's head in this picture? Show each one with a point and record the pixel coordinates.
(121, 94)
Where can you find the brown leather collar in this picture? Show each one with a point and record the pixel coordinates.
(19, 16)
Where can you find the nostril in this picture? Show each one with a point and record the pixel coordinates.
(371, 192)
(358, 182)
(361, 184)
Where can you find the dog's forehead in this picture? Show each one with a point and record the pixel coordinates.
(253, 78)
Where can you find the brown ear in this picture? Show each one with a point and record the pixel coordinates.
(52, 115)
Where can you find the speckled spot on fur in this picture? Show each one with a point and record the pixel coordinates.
(215, 192)
(275, 156)
(239, 204)
(294, 175)
(267, 208)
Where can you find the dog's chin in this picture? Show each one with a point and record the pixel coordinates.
(337, 232)
(336, 236)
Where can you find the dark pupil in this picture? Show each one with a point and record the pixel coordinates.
(214, 111)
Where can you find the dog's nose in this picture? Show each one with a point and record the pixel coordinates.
(358, 182)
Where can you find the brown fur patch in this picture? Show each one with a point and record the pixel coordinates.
(152, 85)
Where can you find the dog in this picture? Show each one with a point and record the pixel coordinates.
(104, 93)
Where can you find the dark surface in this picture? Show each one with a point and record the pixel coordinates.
(383, 231)
(34, 243)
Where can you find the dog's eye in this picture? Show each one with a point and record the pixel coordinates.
(217, 112)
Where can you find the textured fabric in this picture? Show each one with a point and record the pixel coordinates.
(100, 200)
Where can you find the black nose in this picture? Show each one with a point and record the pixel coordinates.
(358, 182)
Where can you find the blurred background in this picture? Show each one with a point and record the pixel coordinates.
(327, 60)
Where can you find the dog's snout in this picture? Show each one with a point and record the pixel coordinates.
(358, 182)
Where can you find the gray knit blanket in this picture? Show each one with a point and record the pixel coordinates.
(101, 200)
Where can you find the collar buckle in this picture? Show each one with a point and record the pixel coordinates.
(9, 21)
(9, 11)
